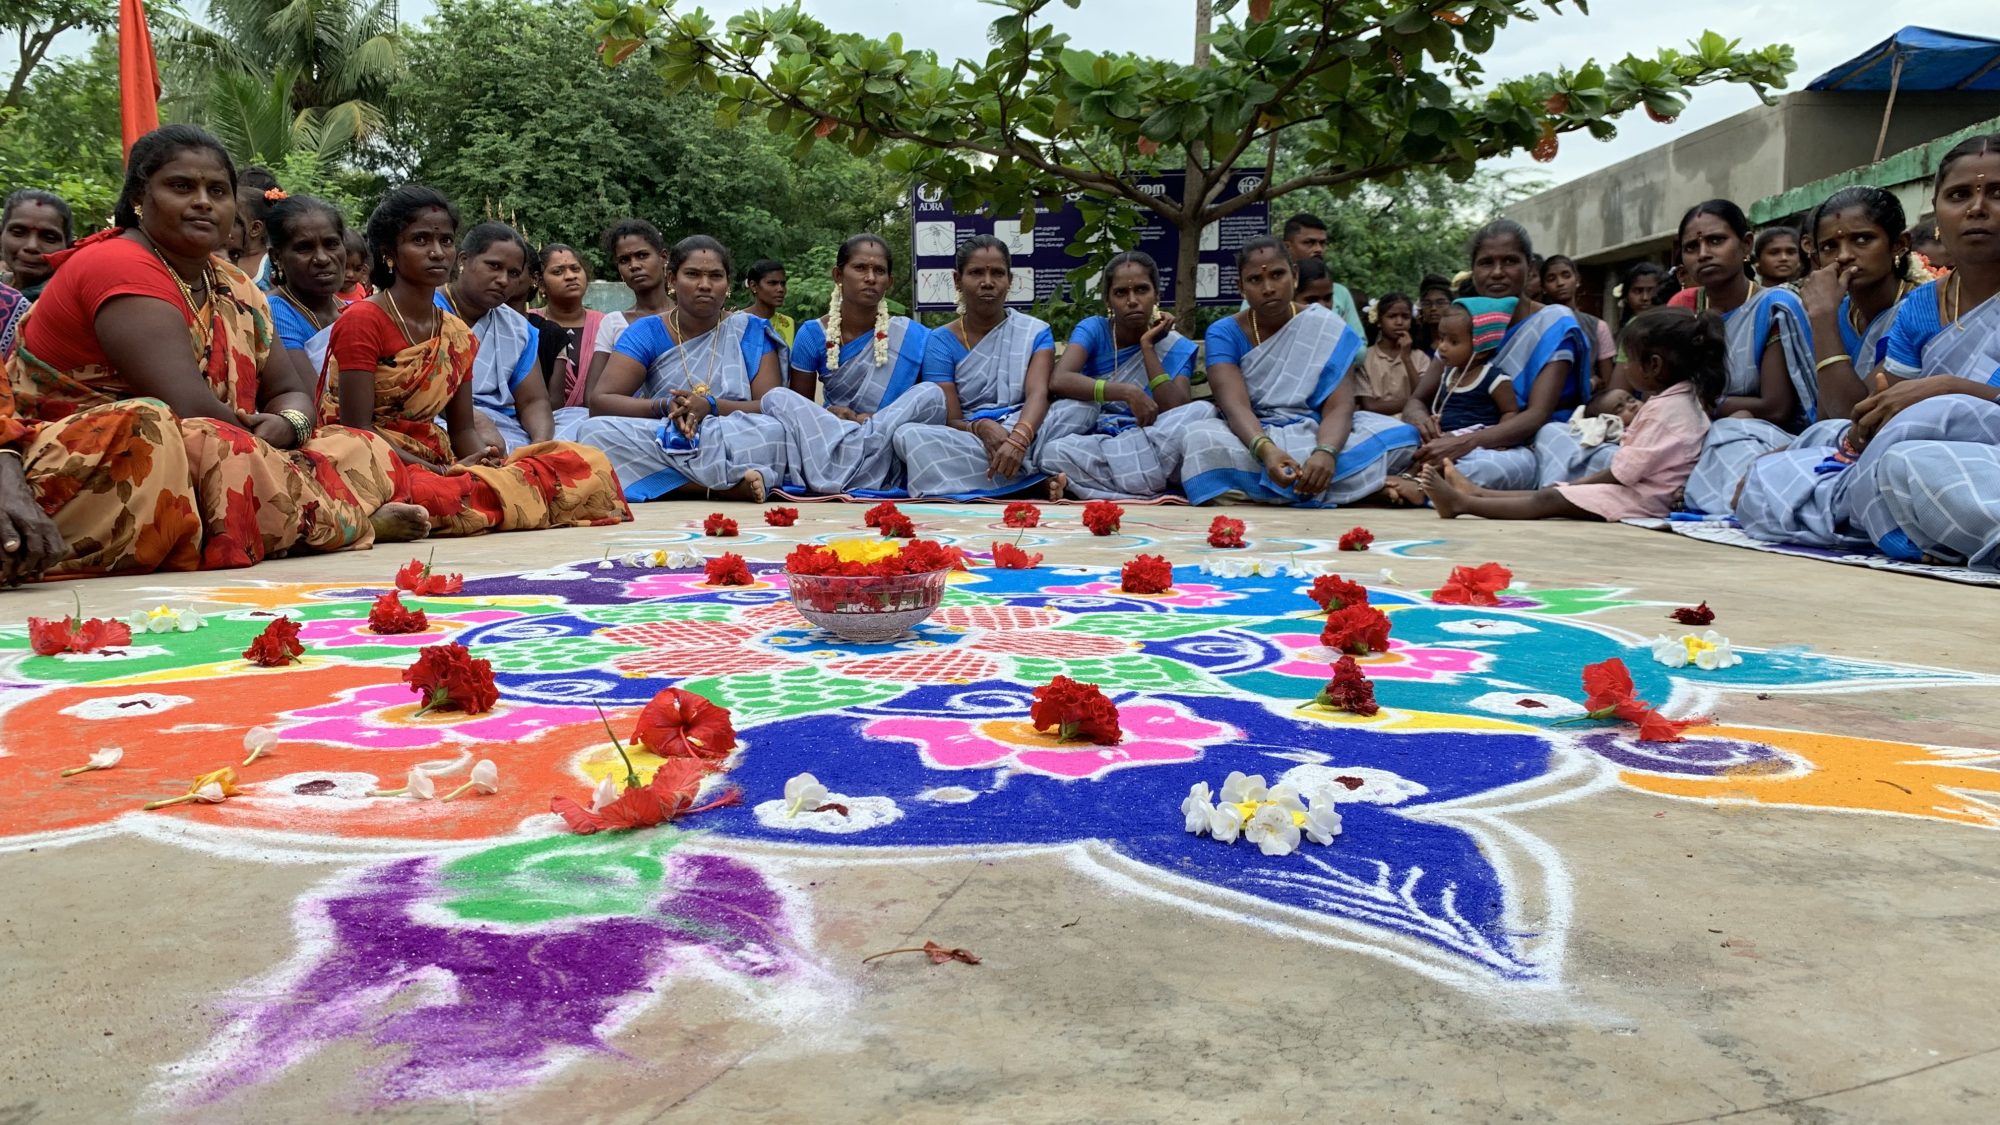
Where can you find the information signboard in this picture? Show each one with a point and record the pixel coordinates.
(1042, 262)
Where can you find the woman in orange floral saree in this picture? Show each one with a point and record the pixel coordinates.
(121, 451)
(399, 361)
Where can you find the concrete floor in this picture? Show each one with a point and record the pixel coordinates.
(1726, 961)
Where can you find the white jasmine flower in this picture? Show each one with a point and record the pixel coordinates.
(1286, 798)
(259, 741)
(1225, 823)
(212, 793)
(102, 760)
(485, 778)
(1198, 808)
(607, 792)
(689, 559)
(1239, 788)
(1322, 821)
(1715, 652)
(1273, 831)
(1670, 652)
(803, 793)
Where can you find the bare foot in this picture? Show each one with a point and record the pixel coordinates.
(749, 489)
(400, 523)
(1403, 492)
(1058, 487)
(1445, 496)
(1460, 481)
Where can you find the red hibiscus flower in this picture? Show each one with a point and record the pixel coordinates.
(669, 796)
(718, 524)
(1076, 711)
(416, 577)
(1333, 592)
(873, 518)
(1006, 556)
(1102, 516)
(896, 525)
(781, 517)
(1147, 574)
(681, 724)
(1225, 532)
(1356, 630)
(1022, 514)
(391, 617)
(1474, 585)
(50, 636)
(1357, 539)
(1349, 690)
(1698, 616)
(1609, 694)
(728, 570)
(449, 678)
(277, 646)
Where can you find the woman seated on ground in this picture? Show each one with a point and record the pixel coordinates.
(401, 360)
(1772, 390)
(1851, 299)
(864, 364)
(1914, 473)
(1135, 368)
(1679, 363)
(566, 326)
(639, 254)
(677, 405)
(508, 389)
(308, 249)
(1560, 282)
(33, 225)
(151, 454)
(1545, 356)
(1289, 432)
(993, 365)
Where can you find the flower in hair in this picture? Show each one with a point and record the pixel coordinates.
(272, 195)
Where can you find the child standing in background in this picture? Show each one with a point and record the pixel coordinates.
(1680, 362)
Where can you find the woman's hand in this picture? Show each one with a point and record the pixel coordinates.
(1425, 422)
(1447, 447)
(29, 541)
(688, 411)
(1317, 474)
(1822, 290)
(1003, 461)
(1279, 466)
(1163, 323)
(489, 456)
(1144, 409)
(1874, 412)
(270, 428)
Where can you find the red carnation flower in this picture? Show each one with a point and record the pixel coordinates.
(896, 525)
(921, 556)
(1357, 539)
(681, 724)
(448, 678)
(417, 578)
(1022, 514)
(50, 636)
(1698, 616)
(718, 524)
(873, 518)
(1006, 556)
(1474, 585)
(728, 570)
(1076, 711)
(1102, 516)
(1147, 574)
(389, 616)
(277, 646)
(781, 517)
(1356, 630)
(1333, 592)
(1225, 532)
(1349, 690)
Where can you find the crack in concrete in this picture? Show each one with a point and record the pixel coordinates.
(1830, 1093)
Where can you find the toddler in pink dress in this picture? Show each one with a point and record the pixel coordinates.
(1679, 361)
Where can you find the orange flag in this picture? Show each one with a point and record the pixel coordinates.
(138, 74)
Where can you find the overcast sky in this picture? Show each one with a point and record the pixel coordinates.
(1822, 34)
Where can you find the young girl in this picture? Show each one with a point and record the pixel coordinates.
(1389, 369)
(1679, 361)
(1473, 394)
(766, 283)
(565, 325)
(355, 287)
(1315, 284)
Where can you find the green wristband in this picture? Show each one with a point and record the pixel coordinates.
(1097, 391)
(1162, 377)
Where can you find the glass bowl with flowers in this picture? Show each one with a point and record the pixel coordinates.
(869, 590)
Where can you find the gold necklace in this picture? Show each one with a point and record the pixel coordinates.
(1701, 298)
(203, 331)
(680, 349)
(404, 325)
(1256, 337)
(1951, 294)
(311, 319)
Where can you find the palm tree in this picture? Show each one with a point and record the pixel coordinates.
(255, 117)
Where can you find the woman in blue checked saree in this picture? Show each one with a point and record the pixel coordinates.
(1915, 473)
(1133, 365)
(1773, 391)
(676, 406)
(868, 380)
(1546, 355)
(993, 366)
(508, 388)
(1289, 432)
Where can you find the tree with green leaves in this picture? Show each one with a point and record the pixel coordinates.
(1366, 91)
(37, 24)
(64, 136)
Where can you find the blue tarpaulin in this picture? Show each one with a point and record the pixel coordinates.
(1931, 61)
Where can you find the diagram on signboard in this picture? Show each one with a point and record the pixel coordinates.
(1021, 286)
(1211, 237)
(1018, 242)
(937, 240)
(934, 287)
(1207, 280)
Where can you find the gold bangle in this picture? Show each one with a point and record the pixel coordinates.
(1262, 441)
(1829, 361)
